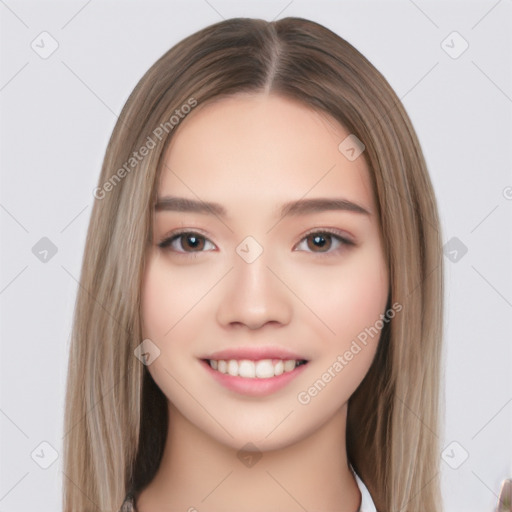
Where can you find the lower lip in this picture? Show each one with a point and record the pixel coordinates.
(254, 386)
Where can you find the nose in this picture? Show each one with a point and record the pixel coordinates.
(252, 296)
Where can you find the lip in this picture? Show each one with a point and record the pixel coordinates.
(253, 387)
(254, 354)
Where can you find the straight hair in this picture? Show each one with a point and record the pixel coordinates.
(115, 421)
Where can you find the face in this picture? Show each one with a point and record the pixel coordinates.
(266, 282)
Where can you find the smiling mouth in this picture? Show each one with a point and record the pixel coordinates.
(260, 369)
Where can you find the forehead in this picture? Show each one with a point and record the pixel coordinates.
(252, 149)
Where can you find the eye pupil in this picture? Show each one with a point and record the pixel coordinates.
(320, 241)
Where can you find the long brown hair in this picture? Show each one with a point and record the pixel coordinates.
(116, 417)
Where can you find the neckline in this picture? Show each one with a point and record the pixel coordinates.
(367, 504)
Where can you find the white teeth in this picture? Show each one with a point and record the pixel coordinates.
(247, 369)
(233, 367)
(289, 365)
(262, 369)
(265, 369)
(222, 367)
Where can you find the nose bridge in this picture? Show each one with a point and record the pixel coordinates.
(252, 294)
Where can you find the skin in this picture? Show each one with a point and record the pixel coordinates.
(251, 153)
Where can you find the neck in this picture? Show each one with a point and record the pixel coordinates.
(197, 472)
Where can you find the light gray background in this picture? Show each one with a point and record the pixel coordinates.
(57, 116)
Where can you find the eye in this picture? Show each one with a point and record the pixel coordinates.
(187, 242)
(321, 242)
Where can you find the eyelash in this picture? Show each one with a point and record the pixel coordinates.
(164, 244)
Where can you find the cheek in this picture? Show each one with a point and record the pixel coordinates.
(363, 296)
(164, 315)
(169, 296)
(157, 307)
(352, 299)
(349, 297)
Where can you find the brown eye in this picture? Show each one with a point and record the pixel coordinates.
(196, 243)
(186, 242)
(324, 242)
(319, 242)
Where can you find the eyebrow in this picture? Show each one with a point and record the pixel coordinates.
(305, 206)
(299, 207)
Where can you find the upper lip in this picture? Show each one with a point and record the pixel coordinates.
(255, 354)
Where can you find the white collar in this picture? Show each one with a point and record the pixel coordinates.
(367, 504)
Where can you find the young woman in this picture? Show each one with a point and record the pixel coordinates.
(258, 325)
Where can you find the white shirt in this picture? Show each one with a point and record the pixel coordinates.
(366, 500)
